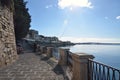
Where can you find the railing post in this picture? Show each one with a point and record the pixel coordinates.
(80, 66)
(43, 49)
(63, 56)
(49, 51)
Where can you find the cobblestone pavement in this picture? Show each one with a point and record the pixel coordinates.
(30, 67)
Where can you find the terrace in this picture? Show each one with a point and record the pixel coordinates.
(50, 63)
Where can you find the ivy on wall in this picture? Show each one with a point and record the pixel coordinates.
(7, 3)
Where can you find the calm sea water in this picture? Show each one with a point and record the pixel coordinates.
(107, 54)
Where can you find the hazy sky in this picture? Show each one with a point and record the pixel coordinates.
(77, 20)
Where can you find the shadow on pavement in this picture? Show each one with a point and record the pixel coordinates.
(58, 69)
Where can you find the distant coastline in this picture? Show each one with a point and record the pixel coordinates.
(97, 43)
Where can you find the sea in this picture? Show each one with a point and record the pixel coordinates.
(107, 54)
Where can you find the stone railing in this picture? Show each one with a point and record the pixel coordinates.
(75, 64)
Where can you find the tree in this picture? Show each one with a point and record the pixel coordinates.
(21, 18)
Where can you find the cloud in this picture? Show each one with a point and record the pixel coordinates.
(65, 22)
(75, 39)
(48, 6)
(118, 17)
(74, 3)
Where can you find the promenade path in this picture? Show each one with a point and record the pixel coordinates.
(30, 66)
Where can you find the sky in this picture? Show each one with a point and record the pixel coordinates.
(77, 20)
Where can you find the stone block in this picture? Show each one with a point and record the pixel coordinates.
(80, 65)
(49, 51)
(63, 56)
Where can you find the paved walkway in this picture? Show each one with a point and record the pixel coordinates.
(32, 67)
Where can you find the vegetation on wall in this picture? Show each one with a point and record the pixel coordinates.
(7, 3)
(22, 19)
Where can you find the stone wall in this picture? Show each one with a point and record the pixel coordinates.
(8, 53)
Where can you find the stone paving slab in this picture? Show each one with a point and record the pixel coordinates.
(30, 67)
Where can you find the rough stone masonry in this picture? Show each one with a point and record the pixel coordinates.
(8, 52)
